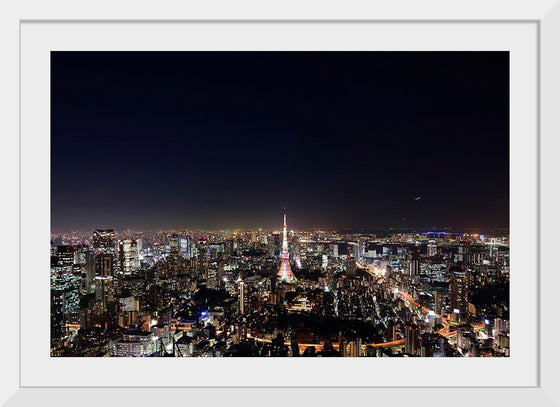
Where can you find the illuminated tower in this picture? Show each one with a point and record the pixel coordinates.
(285, 273)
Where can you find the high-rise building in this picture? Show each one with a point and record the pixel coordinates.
(493, 250)
(335, 250)
(276, 243)
(202, 259)
(212, 279)
(88, 273)
(86, 318)
(104, 241)
(350, 267)
(411, 333)
(458, 292)
(355, 249)
(324, 261)
(104, 264)
(414, 263)
(57, 315)
(501, 326)
(80, 251)
(185, 246)
(229, 247)
(439, 297)
(215, 251)
(242, 297)
(285, 273)
(361, 249)
(432, 248)
(65, 256)
(463, 252)
(103, 248)
(104, 291)
(358, 347)
(264, 239)
(173, 259)
(294, 346)
(128, 258)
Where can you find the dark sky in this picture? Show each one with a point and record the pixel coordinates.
(150, 140)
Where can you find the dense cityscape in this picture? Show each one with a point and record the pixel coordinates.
(279, 293)
(279, 203)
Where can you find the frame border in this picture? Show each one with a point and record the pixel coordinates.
(547, 16)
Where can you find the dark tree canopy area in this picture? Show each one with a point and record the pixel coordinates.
(329, 327)
(491, 294)
(205, 296)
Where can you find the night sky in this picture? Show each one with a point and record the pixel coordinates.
(152, 140)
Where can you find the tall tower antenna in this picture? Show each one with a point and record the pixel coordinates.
(285, 273)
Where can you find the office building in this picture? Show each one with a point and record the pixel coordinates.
(65, 256)
(104, 241)
(87, 269)
(414, 263)
(128, 257)
(104, 264)
(104, 251)
(458, 293)
(57, 315)
(350, 267)
(411, 332)
(173, 259)
(136, 344)
(104, 291)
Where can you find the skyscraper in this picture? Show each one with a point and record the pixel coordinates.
(173, 258)
(432, 248)
(104, 265)
(128, 260)
(104, 291)
(351, 267)
(335, 250)
(103, 248)
(414, 263)
(411, 332)
(65, 256)
(229, 247)
(104, 241)
(57, 315)
(285, 273)
(463, 252)
(203, 258)
(212, 277)
(88, 273)
(458, 292)
(241, 297)
(185, 246)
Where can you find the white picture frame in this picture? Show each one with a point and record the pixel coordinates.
(546, 18)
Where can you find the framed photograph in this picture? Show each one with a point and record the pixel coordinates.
(317, 206)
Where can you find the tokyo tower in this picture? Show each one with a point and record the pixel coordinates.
(285, 273)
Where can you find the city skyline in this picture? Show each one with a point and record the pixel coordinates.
(380, 230)
(279, 204)
(356, 295)
(198, 140)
